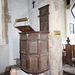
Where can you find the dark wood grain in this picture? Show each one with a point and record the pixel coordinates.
(68, 53)
(34, 53)
(44, 18)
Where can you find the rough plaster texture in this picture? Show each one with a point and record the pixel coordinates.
(4, 49)
(16, 9)
(63, 19)
(43, 2)
(55, 55)
(4, 57)
(55, 40)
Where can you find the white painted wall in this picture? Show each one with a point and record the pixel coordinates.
(70, 19)
(16, 9)
(63, 19)
(4, 57)
(33, 14)
(4, 49)
(10, 51)
(43, 2)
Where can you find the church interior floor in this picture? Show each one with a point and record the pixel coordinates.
(67, 70)
(19, 72)
(66, 73)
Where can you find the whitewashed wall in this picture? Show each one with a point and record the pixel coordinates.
(43, 2)
(16, 9)
(70, 19)
(4, 57)
(33, 14)
(63, 18)
(10, 51)
(4, 49)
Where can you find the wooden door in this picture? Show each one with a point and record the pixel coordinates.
(44, 18)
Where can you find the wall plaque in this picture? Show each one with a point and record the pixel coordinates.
(57, 32)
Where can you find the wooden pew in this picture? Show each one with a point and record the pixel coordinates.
(67, 59)
(68, 52)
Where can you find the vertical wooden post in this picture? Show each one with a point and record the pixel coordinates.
(73, 51)
(68, 53)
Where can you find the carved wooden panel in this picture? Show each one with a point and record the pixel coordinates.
(69, 54)
(43, 46)
(44, 26)
(23, 61)
(44, 18)
(34, 52)
(23, 46)
(23, 37)
(33, 36)
(73, 51)
(44, 37)
(27, 63)
(34, 63)
(44, 62)
(32, 46)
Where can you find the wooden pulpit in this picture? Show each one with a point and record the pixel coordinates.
(34, 51)
(68, 52)
(34, 45)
